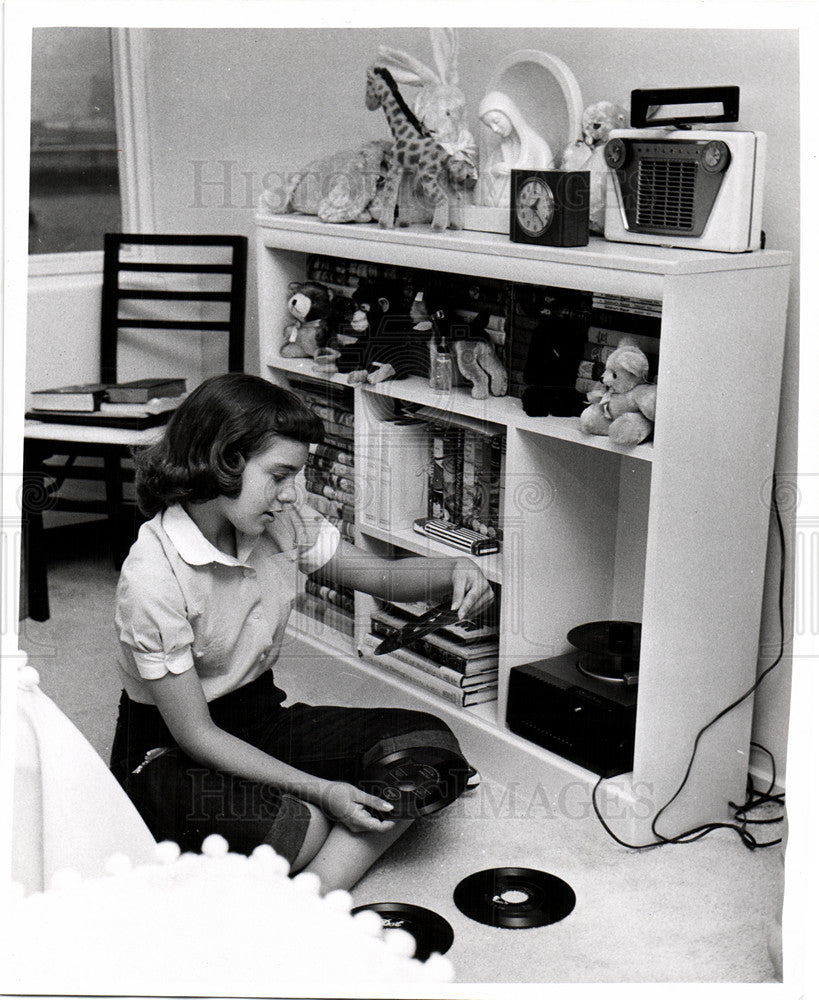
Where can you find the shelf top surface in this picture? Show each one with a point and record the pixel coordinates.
(599, 252)
(503, 411)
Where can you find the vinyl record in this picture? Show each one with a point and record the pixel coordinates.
(417, 781)
(431, 932)
(514, 897)
(608, 649)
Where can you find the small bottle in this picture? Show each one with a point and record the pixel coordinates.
(440, 378)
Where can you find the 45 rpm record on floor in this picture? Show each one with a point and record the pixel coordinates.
(431, 932)
(514, 897)
(417, 780)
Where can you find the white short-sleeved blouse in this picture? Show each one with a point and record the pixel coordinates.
(181, 603)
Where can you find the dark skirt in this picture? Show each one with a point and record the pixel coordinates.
(183, 801)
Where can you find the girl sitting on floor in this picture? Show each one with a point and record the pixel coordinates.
(203, 743)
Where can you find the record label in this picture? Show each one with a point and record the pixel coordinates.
(417, 781)
(431, 931)
(514, 897)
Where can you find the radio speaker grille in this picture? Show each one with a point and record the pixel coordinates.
(665, 194)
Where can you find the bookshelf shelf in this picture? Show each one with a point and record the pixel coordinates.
(505, 411)
(406, 538)
(671, 533)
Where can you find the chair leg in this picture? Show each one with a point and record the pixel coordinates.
(33, 547)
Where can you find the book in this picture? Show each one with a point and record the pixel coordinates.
(97, 419)
(410, 666)
(626, 322)
(142, 389)
(463, 661)
(461, 633)
(159, 405)
(70, 398)
(607, 337)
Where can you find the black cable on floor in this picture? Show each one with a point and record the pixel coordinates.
(740, 826)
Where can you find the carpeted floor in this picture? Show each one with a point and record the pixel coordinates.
(702, 912)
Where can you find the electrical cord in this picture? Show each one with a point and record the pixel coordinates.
(754, 799)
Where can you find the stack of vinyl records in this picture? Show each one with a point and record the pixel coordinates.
(458, 663)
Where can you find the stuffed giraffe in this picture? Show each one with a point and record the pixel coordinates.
(440, 176)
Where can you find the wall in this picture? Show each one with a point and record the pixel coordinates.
(232, 110)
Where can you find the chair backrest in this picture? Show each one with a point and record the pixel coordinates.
(154, 278)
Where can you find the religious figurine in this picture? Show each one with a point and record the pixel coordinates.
(520, 147)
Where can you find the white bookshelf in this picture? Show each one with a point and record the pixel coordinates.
(672, 533)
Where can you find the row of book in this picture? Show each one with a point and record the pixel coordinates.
(458, 664)
(329, 478)
(466, 474)
(137, 404)
(561, 337)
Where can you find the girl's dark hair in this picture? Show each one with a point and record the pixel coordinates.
(208, 439)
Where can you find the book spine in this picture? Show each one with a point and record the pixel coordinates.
(452, 474)
(612, 337)
(635, 323)
(435, 503)
(329, 453)
(469, 478)
(342, 597)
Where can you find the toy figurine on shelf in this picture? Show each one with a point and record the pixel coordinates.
(309, 308)
(439, 177)
(470, 345)
(623, 406)
(586, 153)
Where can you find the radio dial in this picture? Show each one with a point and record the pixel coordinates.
(615, 153)
(715, 156)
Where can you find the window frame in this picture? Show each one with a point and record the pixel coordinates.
(128, 50)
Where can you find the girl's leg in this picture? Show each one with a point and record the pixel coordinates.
(317, 833)
(345, 856)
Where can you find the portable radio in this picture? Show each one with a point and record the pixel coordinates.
(672, 185)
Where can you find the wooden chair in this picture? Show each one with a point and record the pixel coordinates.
(138, 281)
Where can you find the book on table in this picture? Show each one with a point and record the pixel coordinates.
(70, 398)
(142, 389)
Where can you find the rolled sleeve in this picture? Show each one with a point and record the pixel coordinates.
(322, 550)
(310, 536)
(152, 623)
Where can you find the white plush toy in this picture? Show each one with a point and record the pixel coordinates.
(586, 153)
(623, 406)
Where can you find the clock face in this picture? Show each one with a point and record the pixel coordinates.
(534, 206)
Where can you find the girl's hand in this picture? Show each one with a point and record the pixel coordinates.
(349, 805)
(471, 592)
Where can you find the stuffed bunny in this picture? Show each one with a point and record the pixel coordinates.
(440, 104)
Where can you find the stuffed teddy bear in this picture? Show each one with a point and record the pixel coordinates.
(309, 307)
(586, 153)
(624, 405)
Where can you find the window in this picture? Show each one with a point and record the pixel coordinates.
(74, 171)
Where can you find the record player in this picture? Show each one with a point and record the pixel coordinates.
(582, 705)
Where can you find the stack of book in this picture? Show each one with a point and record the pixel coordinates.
(133, 405)
(465, 477)
(459, 663)
(329, 477)
(614, 317)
